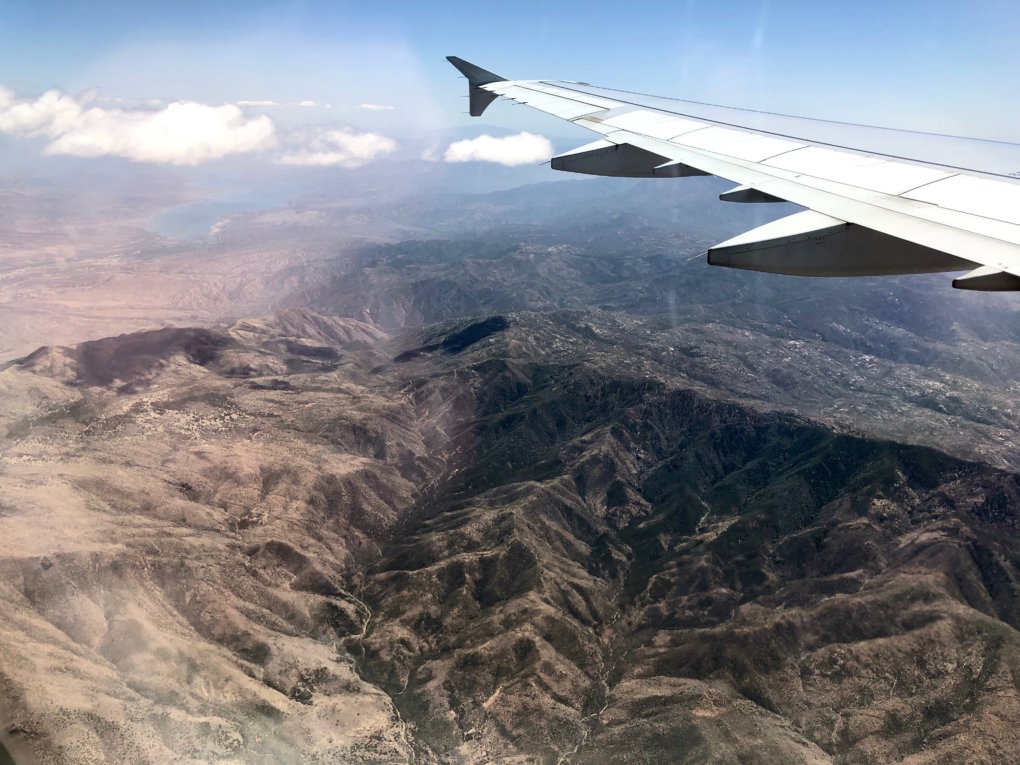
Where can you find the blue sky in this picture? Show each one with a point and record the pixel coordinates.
(939, 66)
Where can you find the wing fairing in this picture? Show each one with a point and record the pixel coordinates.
(811, 244)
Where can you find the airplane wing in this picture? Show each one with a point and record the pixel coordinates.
(879, 201)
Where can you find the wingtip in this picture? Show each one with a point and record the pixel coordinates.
(475, 74)
(476, 77)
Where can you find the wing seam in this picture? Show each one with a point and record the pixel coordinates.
(814, 142)
(785, 151)
(937, 180)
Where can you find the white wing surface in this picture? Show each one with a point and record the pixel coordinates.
(879, 201)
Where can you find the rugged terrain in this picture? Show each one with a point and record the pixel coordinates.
(528, 536)
(501, 477)
(907, 358)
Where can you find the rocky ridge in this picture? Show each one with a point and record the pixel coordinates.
(507, 539)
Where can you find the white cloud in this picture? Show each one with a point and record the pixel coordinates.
(50, 114)
(181, 133)
(178, 133)
(520, 149)
(376, 107)
(344, 148)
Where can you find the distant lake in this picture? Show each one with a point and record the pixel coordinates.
(193, 221)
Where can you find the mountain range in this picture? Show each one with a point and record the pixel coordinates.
(517, 480)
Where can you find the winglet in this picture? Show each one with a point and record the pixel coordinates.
(479, 99)
(475, 74)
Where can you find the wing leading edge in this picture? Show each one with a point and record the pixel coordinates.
(880, 201)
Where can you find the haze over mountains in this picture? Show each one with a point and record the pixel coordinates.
(501, 477)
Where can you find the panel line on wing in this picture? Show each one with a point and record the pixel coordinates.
(688, 132)
(565, 83)
(787, 151)
(929, 183)
(842, 147)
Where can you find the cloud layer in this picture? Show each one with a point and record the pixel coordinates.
(180, 133)
(342, 148)
(190, 133)
(519, 149)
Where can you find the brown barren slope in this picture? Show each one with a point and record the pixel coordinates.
(274, 543)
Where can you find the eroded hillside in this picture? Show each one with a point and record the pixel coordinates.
(513, 539)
